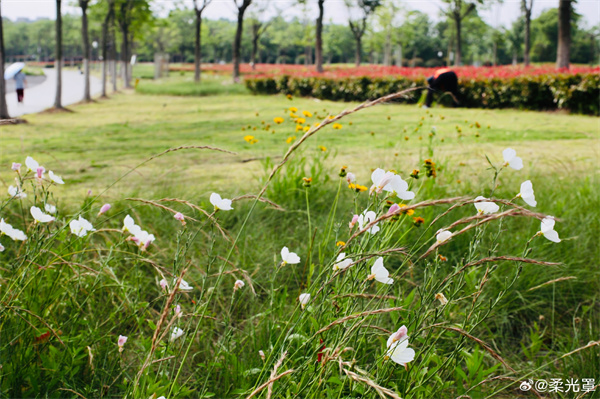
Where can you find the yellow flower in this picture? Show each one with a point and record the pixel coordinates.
(289, 97)
(300, 120)
(278, 120)
(293, 115)
(322, 148)
(337, 126)
(340, 244)
(299, 127)
(307, 114)
(254, 141)
(290, 139)
(417, 221)
(306, 128)
(357, 187)
(293, 109)
(410, 212)
(248, 138)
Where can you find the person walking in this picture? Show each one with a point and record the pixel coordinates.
(443, 80)
(21, 81)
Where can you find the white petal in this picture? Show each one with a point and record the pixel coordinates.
(552, 235)
(443, 235)
(377, 175)
(403, 357)
(516, 163)
(55, 178)
(31, 164)
(509, 154)
(284, 253)
(547, 224)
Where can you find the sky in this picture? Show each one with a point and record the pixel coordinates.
(497, 15)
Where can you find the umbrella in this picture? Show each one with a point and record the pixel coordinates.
(13, 69)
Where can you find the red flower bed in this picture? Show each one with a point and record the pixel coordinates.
(380, 71)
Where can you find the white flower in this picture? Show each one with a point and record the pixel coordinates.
(55, 178)
(143, 239)
(342, 262)
(485, 208)
(380, 273)
(121, 342)
(32, 164)
(304, 299)
(220, 203)
(400, 187)
(511, 159)
(39, 216)
(365, 218)
(1, 247)
(289, 257)
(164, 284)
(380, 179)
(15, 192)
(51, 209)
(183, 285)
(443, 235)
(547, 229)
(350, 178)
(130, 226)
(398, 349)
(527, 193)
(81, 227)
(176, 333)
(238, 284)
(15, 234)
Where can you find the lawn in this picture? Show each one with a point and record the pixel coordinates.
(65, 300)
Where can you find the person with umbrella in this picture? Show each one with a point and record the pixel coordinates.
(21, 81)
(15, 71)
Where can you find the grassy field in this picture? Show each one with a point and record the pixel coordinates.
(86, 292)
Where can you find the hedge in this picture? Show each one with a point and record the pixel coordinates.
(578, 93)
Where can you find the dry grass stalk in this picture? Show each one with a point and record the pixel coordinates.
(17, 309)
(367, 296)
(274, 373)
(271, 381)
(356, 316)
(208, 215)
(72, 391)
(166, 208)
(155, 340)
(261, 199)
(496, 259)
(382, 391)
(189, 147)
(480, 342)
(552, 282)
(403, 210)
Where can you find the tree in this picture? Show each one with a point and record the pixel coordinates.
(564, 34)
(386, 19)
(258, 28)
(237, 42)
(3, 107)
(526, 6)
(198, 8)
(131, 17)
(457, 11)
(319, 37)
(58, 59)
(358, 27)
(106, 43)
(86, 48)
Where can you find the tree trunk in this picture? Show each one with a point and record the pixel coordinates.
(527, 48)
(358, 53)
(113, 55)
(124, 55)
(3, 108)
(387, 51)
(399, 55)
(58, 61)
(237, 42)
(494, 53)
(319, 39)
(105, 44)
(457, 55)
(197, 47)
(564, 34)
(254, 48)
(514, 58)
(86, 50)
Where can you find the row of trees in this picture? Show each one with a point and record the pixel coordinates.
(383, 30)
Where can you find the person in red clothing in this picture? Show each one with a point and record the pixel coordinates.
(444, 80)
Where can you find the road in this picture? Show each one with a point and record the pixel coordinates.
(41, 97)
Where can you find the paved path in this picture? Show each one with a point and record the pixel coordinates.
(41, 97)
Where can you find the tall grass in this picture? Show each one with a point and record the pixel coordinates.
(484, 310)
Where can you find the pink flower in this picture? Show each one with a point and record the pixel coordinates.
(354, 220)
(163, 284)
(104, 209)
(121, 342)
(179, 216)
(178, 311)
(40, 172)
(393, 209)
(16, 166)
(238, 284)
